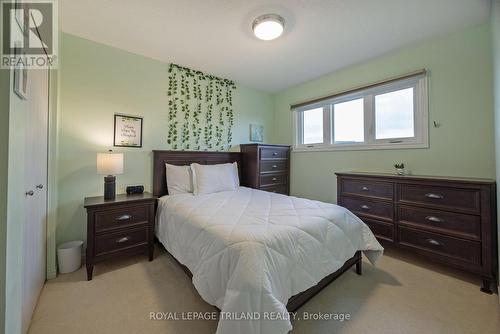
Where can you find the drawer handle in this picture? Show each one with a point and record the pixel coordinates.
(124, 217)
(434, 219)
(365, 188)
(434, 242)
(434, 196)
(275, 166)
(365, 207)
(274, 179)
(275, 153)
(122, 240)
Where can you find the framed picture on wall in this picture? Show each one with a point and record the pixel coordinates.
(256, 133)
(127, 131)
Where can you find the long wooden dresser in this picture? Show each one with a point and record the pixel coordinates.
(447, 220)
(266, 167)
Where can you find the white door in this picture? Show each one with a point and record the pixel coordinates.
(34, 243)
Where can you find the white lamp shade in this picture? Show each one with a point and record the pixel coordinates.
(109, 163)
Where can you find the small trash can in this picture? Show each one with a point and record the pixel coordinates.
(69, 256)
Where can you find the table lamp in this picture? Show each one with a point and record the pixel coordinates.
(109, 164)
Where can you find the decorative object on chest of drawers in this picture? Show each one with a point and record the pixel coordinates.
(123, 226)
(448, 220)
(266, 167)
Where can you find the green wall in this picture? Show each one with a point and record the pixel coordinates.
(495, 26)
(97, 81)
(460, 99)
(4, 152)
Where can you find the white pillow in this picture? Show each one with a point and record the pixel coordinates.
(214, 178)
(179, 179)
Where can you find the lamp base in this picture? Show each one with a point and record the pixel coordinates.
(109, 187)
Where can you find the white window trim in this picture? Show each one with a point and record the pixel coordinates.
(421, 121)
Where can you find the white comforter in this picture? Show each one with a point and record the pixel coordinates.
(250, 250)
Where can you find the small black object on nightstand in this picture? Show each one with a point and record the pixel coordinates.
(123, 226)
(135, 190)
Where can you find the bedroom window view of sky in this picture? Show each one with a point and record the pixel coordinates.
(313, 126)
(348, 122)
(394, 114)
(377, 117)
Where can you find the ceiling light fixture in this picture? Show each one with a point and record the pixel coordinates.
(268, 26)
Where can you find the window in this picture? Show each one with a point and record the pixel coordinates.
(389, 115)
(313, 126)
(348, 122)
(394, 114)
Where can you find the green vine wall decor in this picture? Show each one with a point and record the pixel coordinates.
(200, 110)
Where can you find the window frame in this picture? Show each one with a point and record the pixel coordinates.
(420, 121)
(326, 120)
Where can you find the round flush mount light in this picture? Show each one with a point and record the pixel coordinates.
(268, 26)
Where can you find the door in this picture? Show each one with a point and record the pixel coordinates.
(34, 242)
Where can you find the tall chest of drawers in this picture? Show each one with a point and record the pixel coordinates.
(447, 220)
(266, 167)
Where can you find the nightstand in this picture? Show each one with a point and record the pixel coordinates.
(123, 226)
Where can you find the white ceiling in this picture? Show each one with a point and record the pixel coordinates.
(215, 36)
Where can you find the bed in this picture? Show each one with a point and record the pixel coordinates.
(256, 255)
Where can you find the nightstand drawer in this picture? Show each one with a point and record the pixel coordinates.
(119, 218)
(112, 242)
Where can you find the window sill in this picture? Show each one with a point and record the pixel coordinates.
(403, 146)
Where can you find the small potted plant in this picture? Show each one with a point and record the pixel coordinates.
(400, 168)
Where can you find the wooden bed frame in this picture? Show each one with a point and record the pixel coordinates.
(209, 158)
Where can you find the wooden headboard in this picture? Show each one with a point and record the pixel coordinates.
(181, 158)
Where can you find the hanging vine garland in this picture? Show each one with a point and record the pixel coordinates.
(200, 110)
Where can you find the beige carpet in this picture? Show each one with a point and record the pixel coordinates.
(400, 295)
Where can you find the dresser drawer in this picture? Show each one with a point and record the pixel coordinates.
(273, 166)
(111, 242)
(464, 250)
(119, 218)
(381, 230)
(274, 153)
(368, 188)
(442, 197)
(273, 179)
(369, 207)
(461, 225)
(279, 189)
